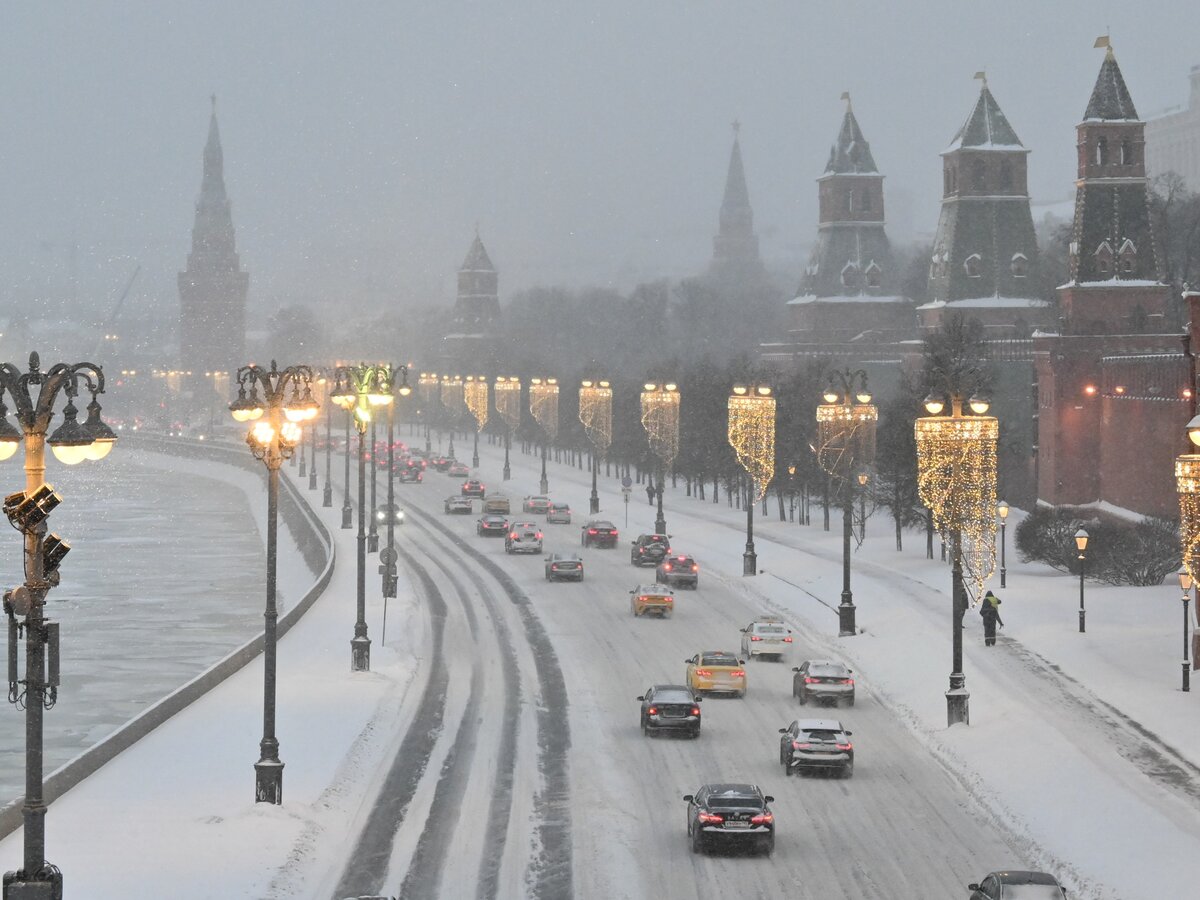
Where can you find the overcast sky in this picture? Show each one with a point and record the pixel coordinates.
(363, 141)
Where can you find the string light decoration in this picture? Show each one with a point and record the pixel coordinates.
(427, 387)
(660, 418)
(475, 392)
(452, 396)
(845, 437)
(595, 412)
(956, 479)
(1187, 485)
(507, 393)
(752, 434)
(543, 404)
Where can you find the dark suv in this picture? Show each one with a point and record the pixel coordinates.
(599, 533)
(730, 815)
(649, 549)
(670, 707)
(816, 744)
(681, 570)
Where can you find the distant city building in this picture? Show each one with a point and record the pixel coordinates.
(735, 246)
(212, 290)
(1173, 139)
(985, 253)
(848, 290)
(471, 344)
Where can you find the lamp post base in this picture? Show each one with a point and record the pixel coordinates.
(347, 515)
(303, 473)
(1187, 675)
(543, 486)
(846, 623)
(594, 504)
(327, 496)
(958, 706)
(360, 653)
(1082, 622)
(43, 885)
(268, 781)
(749, 559)
(1002, 578)
(475, 459)
(312, 478)
(373, 541)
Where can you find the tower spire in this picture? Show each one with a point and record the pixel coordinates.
(1110, 98)
(735, 243)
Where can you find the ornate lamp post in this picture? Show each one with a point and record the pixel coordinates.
(956, 479)
(1081, 542)
(846, 447)
(543, 406)
(1002, 512)
(347, 507)
(272, 439)
(372, 530)
(387, 559)
(427, 384)
(507, 391)
(595, 412)
(1185, 584)
(452, 400)
(752, 435)
(28, 511)
(660, 418)
(1187, 485)
(359, 389)
(475, 394)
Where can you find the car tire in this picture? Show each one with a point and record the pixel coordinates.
(695, 733)
(767, 847)
(740, 694)
(848, 770)
(645, 727)
(697, 841)
(802, 697)
(851, 701)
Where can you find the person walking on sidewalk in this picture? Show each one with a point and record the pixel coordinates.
(650, 492)
(990, 610)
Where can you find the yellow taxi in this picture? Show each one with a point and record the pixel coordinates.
(712, 671)
(652, 599)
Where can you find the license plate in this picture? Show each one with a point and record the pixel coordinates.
(737, 824)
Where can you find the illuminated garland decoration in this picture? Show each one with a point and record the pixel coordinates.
(595, 412)
(1187, 484)
(845, 437)
(956, 478)
(452, 396)
(507, 393)
(660, 418)
(752, 436)
(476, 395)
(543, 404)
(427, 385)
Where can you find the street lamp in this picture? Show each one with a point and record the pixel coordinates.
(543, 406)
(507, 392)
(751, 432)
(956, 480)
(359, 390)
(319, 382)
(1187, 484)
(846, 424)
(279, 420)
(660, 418)
(427, 383)
(1185, 583)
(595, 412)
(1081, 542)
(387, 559)
(475, 394)
(28, 511)
(1002, 512)
(452, 400)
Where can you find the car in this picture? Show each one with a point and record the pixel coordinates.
(650, 599)
(492, 526)
(564, 565)
(730, 815)
(497, 504)
(681, 570)
(710, 671)
(822, 744)
(1017, 885)
(386, 511)
(409, 472)
(458, 504)
(523, 537)
(649, 549)
(473, 487)
(538, 503)
(441, 463)
(823, 681)
(458, 470)
(599, 533)
(766, 636)
(670, 707)
(558, 514)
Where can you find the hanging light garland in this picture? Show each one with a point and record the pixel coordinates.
(660, 418)
(956, 479)
(752, 433)
(507, 393)
(452, 395)
(427, 386)
(543, 404)
(595, 412)
(846, 428)
(1187, 484)
(476, 396)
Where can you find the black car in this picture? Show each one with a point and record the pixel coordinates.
(823, 681)
(730, 815)
(678, 569)
(473, 488)
(442, 463)
(1015, 885)
(670, 707)
(409, 473)
(649, 549)
(599, 533)
(822, 744)
(564, 565)
(492, 526)
(386, 511)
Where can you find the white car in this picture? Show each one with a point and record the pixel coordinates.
(535, 504)
(766, 636)
(523, 537)
(558, 514)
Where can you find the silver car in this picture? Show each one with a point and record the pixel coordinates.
(523, 537)
(558, 514)
(766, 636)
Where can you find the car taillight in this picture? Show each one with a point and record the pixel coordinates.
(755, 637)
(710, 819)
(695, 711)
(847, 681)
(845, 746)
(796, 745)
(554, 567)
(666, 567)
(808, 679)
(763, 819)
(738, 673)
(788, 639)
(539, 535)
(641, 550)
(695, 568)
(513, 535)
(652, 711)
(591, 531)
(703, 673)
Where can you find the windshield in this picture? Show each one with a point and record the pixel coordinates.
(734, 802)
(828, 671)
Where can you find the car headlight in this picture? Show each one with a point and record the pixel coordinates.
(399, 515)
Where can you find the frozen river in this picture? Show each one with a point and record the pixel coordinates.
(166, 575)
